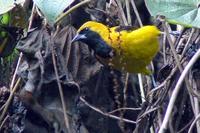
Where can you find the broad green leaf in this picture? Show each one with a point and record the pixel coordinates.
(7, 5)
(52, 8)
(184, 12)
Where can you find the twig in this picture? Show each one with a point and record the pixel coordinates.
(141, 88)
(147, 112)
(128, 12)
(164, 48)
(9, 99)
(31, 17)
(194, 101)
(193, 123)
(60, 86)
(105, 114)
(185, 127)
(136, 13)
(164, 82)
(2, 107)
(172, 47)
(188, 42)
(157, 88)
(122, 12)
(196, 107)
(176, 90)
(15, 73)
(116, 110)
(71, 10)
(3, 122)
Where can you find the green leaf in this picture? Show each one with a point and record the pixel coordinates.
(7, 5)
(52, 8)
(183, 12)
(4, 19)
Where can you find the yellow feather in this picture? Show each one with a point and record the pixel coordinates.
(134, 49)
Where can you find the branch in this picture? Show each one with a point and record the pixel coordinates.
(193, 123)
(105, 114)
(71, 10)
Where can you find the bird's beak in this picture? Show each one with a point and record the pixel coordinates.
(78, 37)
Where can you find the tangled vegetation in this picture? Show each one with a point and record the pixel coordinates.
(48, 84)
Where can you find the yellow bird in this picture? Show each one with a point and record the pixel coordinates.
(124, 47)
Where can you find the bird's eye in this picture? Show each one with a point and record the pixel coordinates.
(86, 29)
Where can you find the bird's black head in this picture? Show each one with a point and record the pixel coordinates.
(94, 41)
